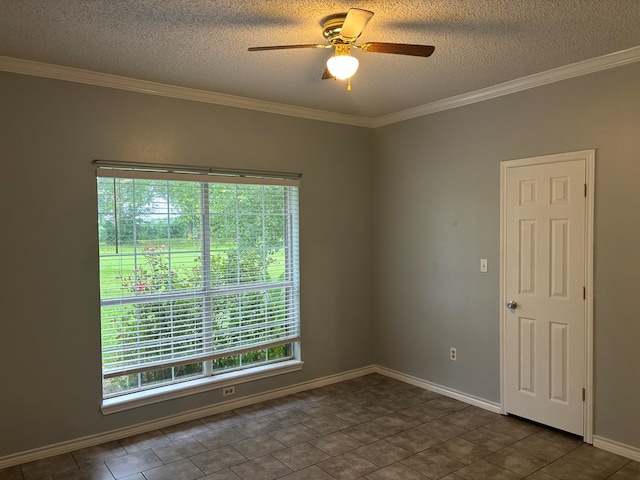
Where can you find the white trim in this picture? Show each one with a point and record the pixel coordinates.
(616, 447)
(589, 157)
(446, 391)
(558, 74)
(29, 67)
(70, 74)
(97, 439)
(183, 389)
(590, 177)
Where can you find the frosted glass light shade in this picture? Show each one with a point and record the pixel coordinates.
(342, 66)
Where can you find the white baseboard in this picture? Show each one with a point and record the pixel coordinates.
(448, 392)
(616, 447)
(92, 440)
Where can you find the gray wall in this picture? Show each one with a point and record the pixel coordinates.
(436, 184)
(435, 191)
(50, 331)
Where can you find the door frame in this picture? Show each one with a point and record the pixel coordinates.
(589, 157)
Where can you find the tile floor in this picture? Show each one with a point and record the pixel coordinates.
(368, 428)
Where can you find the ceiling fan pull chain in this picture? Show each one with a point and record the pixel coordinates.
(349, 85)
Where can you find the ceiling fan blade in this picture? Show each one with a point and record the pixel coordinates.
(398, 48)
(287, 47)
(355, 22)
(326, 75)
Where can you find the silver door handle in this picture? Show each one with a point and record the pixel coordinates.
(512, 304)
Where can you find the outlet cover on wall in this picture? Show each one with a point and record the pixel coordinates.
(228, 391)
(453, 353)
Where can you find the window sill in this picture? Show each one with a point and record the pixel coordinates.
(161, 394)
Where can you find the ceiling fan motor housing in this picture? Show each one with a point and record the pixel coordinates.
(331, 28)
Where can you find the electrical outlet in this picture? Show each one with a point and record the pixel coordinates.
(453, 354)
(228, 391)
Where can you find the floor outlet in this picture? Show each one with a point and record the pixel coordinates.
(453, 354)
(228, 391)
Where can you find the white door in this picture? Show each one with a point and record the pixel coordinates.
(544, 326)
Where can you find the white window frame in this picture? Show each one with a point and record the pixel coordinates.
(210, 380)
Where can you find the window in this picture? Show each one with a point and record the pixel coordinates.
(198, 277)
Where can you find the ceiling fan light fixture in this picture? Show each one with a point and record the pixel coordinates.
(342, 65)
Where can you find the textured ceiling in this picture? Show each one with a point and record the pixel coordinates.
(203, 44)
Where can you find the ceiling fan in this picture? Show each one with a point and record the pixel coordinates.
(341, 31)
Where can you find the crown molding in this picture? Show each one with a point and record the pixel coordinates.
(577, 69)
(88, 77)
(58, 72)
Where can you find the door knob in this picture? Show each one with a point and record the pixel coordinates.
(512, 304)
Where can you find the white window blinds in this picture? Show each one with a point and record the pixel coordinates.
(194, 266)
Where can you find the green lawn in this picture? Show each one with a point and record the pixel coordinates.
(181, 257)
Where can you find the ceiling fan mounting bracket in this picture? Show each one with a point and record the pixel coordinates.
(331, 28)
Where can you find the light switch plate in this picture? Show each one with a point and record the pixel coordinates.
(484, 267)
